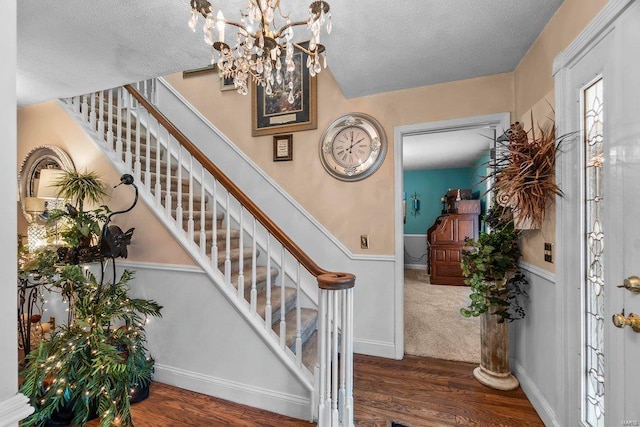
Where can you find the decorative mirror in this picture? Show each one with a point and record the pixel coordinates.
(31, 179)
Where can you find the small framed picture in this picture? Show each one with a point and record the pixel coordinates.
(282, 148)
(226, 83)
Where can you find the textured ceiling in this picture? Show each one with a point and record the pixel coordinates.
(71, 47)
(443, 150)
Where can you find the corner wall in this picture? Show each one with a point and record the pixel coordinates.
(13, 406)
(8, 290)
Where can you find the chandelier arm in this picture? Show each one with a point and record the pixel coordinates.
(303, 49)
(290, 24)
(235, 24)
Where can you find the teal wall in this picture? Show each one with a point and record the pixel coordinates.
(431, 185)
(479, 171)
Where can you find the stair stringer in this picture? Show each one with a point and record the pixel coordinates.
(270, 339)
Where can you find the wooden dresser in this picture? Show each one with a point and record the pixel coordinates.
(446, 242)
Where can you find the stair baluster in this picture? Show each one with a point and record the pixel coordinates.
(298, 344)
(92, 111)
(268, 315)
(110, 121)
(254, 260)
(101, 118)
(241, 260)
(119, 124)
(214, 238)
(190, 224)
(203, 233)
(137, 166)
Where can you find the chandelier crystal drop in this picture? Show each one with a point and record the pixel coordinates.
(263, 52)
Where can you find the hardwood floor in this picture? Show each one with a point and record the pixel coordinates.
(416, 392)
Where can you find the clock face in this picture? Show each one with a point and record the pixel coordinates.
(353, 147)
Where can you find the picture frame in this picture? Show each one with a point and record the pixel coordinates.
(283, 148)
(273, 114)
(226, 83)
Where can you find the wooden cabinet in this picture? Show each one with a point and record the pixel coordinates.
(446, 242)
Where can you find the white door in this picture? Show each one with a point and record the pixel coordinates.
(599, 222)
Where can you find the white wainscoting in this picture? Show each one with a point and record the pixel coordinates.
(201, 343)
(533, 345)
(415, 251)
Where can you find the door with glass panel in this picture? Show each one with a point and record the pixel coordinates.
(599, 224)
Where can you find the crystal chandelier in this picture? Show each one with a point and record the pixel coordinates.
(261, 46)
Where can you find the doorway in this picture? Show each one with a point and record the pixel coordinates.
(499, 122)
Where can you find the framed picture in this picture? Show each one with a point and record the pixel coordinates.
(282, 148)
(272, 114)
(226, 83)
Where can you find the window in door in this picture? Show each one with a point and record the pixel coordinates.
(593, 337)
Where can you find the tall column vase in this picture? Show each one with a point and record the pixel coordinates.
(494, 358)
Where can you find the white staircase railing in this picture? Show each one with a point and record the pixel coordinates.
(250, 258)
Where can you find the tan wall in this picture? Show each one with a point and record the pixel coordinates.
(347, 210)
(48, 124)
(534, 93)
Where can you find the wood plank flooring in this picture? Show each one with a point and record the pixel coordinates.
(416, 392)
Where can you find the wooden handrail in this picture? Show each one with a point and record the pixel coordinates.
(326, 279)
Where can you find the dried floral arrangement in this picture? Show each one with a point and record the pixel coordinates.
(525, 177)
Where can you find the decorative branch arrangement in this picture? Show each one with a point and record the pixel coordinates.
(525, 178)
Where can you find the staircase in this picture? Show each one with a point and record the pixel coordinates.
(303, 312)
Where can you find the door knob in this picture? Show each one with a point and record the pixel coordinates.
(632, 284)
(620, 321)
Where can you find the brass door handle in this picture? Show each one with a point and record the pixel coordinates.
(632, 284)
(620, 321)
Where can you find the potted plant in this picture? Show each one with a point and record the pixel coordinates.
(490, 266)
(96, 364)
(80, 227)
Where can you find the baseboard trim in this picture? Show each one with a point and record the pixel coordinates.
(375, 348)
(540, 404)
(415, 266)
(14, 409)
(269, 400)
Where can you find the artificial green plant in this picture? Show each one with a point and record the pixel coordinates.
(490, 266)
(90, 366)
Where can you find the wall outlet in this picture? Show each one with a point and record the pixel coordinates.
(364, 241)
(548, 252)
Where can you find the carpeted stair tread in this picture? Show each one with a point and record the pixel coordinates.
(308, 325)
(310, 351)
(221, 235)
(152, 164)
(261, 279)
(174, 182)
(234, 257)
(276, 302)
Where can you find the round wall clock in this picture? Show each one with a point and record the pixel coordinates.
(353, 147)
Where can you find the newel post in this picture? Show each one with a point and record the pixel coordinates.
(335, 350)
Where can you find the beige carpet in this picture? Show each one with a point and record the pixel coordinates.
(433, 325)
